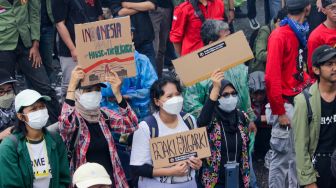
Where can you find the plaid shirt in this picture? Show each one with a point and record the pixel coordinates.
(125, 122)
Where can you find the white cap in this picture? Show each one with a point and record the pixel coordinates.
(90, 174)
(28, 97)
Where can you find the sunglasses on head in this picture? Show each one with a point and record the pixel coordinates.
(227, 94)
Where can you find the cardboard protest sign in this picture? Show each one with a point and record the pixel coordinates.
(103, 46)
(223, 54)
(169, 150)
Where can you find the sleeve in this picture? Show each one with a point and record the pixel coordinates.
(123, 122)
(304, 166)
(34, 19)
(195, 97)
(10, 174)
(64, 173)
(59, 10)
(141, 153)
(205, 117)
(67, 123)
(261, 45)
(178, 25)
(116, 7)
(312, 45)
(273, 75)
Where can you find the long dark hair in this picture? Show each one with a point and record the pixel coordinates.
(156, 90)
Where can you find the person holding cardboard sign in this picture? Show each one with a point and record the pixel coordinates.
(87, 129)
(167, 101)
(228, 166)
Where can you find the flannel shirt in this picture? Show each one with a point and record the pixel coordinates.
(125, 122)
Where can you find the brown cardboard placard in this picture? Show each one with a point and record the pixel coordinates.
(223, 54)
(103, 46)
(169, 150)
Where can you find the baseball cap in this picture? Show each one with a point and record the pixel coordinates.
(28, 97)
(90, 174)
(103, 85)
(323, 54)
(296, 4)
(326, 3)
(6, 78)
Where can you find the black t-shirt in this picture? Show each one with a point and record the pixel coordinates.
(45, 20)
(165, 3)
(98, 151)
(74, 13)
(141, 22)
(327, 139)
(231, 143)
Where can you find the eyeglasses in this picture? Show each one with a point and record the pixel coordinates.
(227, 94)
(4, 92)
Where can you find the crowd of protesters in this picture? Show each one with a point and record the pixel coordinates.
(280, 106)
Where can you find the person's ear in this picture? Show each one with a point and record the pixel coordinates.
(324, 11)
(21, 117)
(157, 102)
(316, 70)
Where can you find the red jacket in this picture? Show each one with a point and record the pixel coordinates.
(282, 57)
(186, 26)
(321, 35)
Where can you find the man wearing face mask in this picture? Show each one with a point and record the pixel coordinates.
(285, 78)
(7, 111)
(228, 136)
(31, 156)
(92, 126)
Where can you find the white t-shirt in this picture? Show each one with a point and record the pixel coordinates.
(141, 154)
(40, 164)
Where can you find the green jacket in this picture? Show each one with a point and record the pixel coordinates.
(49, 10)
(260, 48)
(19, 20)
(16, 169)
(196, 95)
(306, 136)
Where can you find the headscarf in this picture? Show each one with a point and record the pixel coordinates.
(229, 120)
(92, 116)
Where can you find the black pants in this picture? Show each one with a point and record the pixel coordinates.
(315, 18)
(251, 9)
(36, 77)
(326, 179)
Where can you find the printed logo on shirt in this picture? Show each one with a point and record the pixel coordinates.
(175, 18)
(328, 120)
(41, 168)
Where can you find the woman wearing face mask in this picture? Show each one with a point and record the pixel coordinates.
(228, 136)
(33, 157)
(7, 111)
(82, 119)
(167, 101)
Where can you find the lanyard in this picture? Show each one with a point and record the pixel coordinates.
(227, 149)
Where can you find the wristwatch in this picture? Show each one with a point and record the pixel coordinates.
(231, 9)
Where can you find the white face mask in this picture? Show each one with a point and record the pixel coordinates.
(90, 100)
(228, 104)
(38, 119)
(173, 105)
(6, 101)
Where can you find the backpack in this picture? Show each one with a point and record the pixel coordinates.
(153, 126)
(254, 36)
(307, 95)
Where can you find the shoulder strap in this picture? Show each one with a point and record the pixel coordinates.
(198, 11)
(152, 125)
(309, 109)
(14, 140)
(187, 120)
